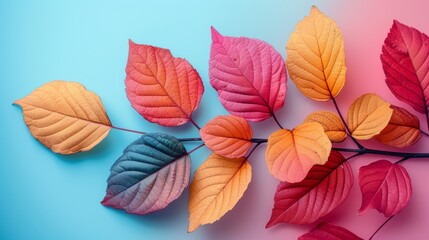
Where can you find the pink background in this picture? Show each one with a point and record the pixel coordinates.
(365, 25)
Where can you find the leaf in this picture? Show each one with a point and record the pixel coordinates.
(368, 116)
(331, 124)
(403, 129)
(385, 186)
(315, 57)
(323, 190)
(229, 136)
(151, 173)
(65, 117)
(291, 154)
(325, 231)
(162, 88)
(217, 186)
(249, 76)
(405, 59)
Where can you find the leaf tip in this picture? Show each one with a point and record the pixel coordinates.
(270, 223)
(105, 201)
(20, 102)
(131, 42)
(16, 103)
(314, 9)
(216, 36)
(361, 211)
(192, 227)
(396, 22)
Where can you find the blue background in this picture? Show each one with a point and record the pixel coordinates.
(50, 196)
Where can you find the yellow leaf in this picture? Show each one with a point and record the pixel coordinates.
(291, 154)
(217, 186)
(368, 116)
(65, 117)
(331, 123)
(315, 57)
(402, 131)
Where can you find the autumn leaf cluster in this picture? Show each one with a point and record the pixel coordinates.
(250, 77)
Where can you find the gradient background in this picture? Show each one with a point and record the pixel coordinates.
(50, 196)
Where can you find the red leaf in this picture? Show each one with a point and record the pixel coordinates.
(249, 76)
(385, 186)
(325, 231)
(324, 189)
(405, 58)
(162, 88)
(402, 131)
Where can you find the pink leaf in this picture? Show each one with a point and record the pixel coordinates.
(249, 76)
(324, 189)
(385, 186)
(405, 58)
(325, 231)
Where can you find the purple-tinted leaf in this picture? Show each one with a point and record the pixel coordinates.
(151, 173)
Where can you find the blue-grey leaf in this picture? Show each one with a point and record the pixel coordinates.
(152, 172)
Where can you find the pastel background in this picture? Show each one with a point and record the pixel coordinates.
(50, 196)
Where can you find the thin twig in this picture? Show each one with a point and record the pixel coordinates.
(253, 149)
(424, 133)
(196, 148)
(402, 159)
(382, 225)
(277, 121)
(128, 130)
(194, 123)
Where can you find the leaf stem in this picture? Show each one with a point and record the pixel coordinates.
(402, 159)
(254, 140)
(190, 139)
(352, 156)
(195, 124)
(424, 133)
(253, 149)
(349, 133)
(277, 121)
(196, 148)
(382, 225)
(127, 130)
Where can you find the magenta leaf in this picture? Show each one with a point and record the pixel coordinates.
(405, 59)
(325, 231)
(385, 186)
(323, 190)
(152, 172)
(249, 76)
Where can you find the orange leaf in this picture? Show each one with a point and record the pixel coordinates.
(403, 129)
(368, 116)
(65, 117)
(217, 186)
(162, 88)
(291, 154)
(229, 136)
(315, 57)
(331, 124)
